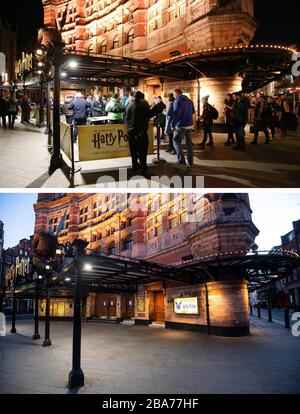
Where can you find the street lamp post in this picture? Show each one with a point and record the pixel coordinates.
(42, 117)
(76, 375)
(47, 341)
(56, 158)
(36, 334)
(48, 130)
(14, 311)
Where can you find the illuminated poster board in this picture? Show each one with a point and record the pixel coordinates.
(141, 305)
(186, 306)
(99, 142)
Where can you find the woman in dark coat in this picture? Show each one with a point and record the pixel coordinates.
(169, 118)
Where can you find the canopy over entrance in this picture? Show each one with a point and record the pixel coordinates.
(121, 274)
(257, 64)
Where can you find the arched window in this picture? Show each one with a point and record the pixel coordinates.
(127, 243)
(130, 35)
(103, 47)
(112, 248)
(116, 42)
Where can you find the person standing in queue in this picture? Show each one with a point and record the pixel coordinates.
(182, 125)
(168, 129)
(13, 110)
(3, 111)
(138, 114)
(114, 110)
(229, 119)
(208, 115)
(240, 114)
(79, 106)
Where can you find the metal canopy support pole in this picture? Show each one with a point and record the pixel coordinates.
(56, 158)
(42, 117)
(270, 310)
(14, 311)
(36, 334)
(47, 341)
(76, 375)
(48, 130)
(207, 308)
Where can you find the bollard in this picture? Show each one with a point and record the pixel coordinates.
(287, 318)
(270, 314)
(258, 312)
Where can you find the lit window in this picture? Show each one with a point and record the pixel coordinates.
(130, 35)
(173, 222)
(112, 248)
(172, 14)
(116, 42)
(103, 47)
(182, 10)
(127, 244)
(159, 230)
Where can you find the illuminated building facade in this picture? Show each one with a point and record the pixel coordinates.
(160, 228)
(157, 30)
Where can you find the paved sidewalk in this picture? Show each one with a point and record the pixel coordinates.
(24, 156)
(136, 359)
(264, 166)
(24, 162)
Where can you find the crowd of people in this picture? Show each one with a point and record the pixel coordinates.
(264, 113)
(174, 122)
(10, 107)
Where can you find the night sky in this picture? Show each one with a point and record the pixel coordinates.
(278, 21)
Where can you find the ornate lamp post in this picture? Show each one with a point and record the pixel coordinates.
(76, 375)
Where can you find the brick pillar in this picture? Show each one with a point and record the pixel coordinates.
(217, 88)
(80, 25)
(49, 13)
(140, 25)
(228, 307)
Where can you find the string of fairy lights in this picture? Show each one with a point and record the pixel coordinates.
(230, 48)
(281, 252)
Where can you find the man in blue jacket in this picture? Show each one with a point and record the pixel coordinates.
(79, 106)
(182, 125)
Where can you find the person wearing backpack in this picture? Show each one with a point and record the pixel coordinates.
(209, 114)
(13, 110)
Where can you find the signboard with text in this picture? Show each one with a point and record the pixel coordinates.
(66, 139)
(100, 142)
(186, 306)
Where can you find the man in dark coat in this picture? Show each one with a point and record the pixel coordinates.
(138, 114)
(240, 114)
(3, 110)
(263, 114)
